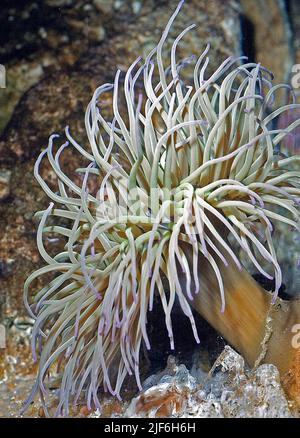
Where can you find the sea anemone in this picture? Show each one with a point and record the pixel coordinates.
(192, 165)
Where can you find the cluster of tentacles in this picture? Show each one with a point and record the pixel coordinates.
(177, 158)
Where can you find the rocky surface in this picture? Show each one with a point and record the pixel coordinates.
(44, 37)
(225, 390)
(229, 390)
(268, 33)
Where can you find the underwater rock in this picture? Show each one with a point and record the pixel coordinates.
(230, 390)
(6, 267)
(20, 77)
(272, 48)
(44, 36)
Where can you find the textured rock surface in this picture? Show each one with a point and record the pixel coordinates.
(294, 11)
(40, 37)
(269, 32)
(229, 391)
(226, 389)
